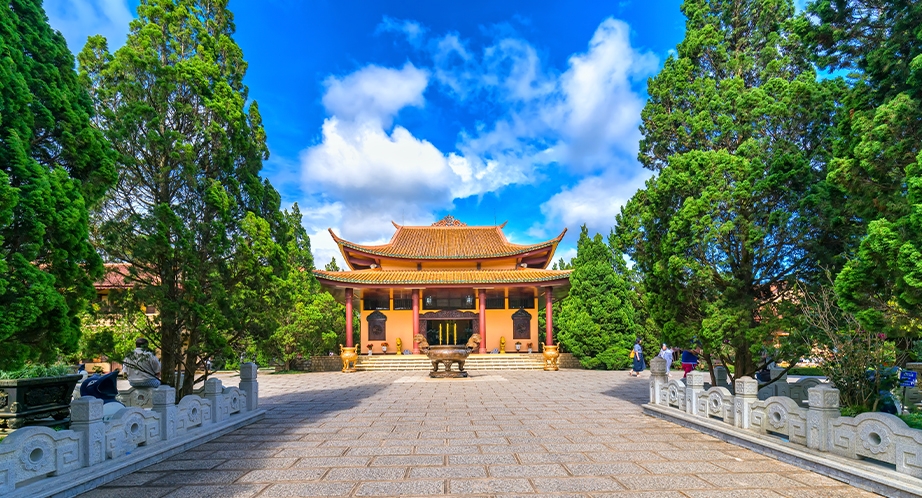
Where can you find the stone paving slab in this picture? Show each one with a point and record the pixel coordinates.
(498, 434)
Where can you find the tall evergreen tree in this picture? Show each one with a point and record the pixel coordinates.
(189, 213)
(596, 319)
(877, 158)
(53, 165)
(737, 127)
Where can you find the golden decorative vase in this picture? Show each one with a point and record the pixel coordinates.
(551, 355)
(349, 357)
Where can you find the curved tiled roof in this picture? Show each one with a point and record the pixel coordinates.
(442, 277)
(447, 242)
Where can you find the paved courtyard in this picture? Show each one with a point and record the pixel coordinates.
(502, 433)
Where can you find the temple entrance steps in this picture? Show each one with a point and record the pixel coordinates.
(511, 361)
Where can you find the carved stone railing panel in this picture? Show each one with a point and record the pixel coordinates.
(716, 402)
(138, 397)
(130, 428)
(35, 452)
(781, 416)
(31, 453)
(879, 436)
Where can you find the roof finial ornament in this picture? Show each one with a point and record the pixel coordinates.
(449, 221)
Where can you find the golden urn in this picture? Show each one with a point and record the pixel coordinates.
(551, 355)
(349, 357)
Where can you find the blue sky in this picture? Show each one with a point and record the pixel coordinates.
(410, 110)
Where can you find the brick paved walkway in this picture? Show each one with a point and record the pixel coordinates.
(509, 433)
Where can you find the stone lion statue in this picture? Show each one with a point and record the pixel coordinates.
(473, 344)
(423, 343)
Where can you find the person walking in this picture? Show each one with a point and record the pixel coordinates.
(666, 354)
(637, 355)
(142, 366)
(689, 361)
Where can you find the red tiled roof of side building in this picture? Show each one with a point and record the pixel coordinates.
(442, 277)
(447, 241)
(115, 277)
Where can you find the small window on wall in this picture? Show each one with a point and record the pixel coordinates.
(403, 300)
(521, 299)
(449, 299)
(376, 300)
(496, 300)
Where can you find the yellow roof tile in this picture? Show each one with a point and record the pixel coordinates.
(447, 242)
(441, 277)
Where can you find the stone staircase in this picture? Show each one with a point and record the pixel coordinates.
(511, 361)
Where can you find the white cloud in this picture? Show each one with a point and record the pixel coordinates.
(366, 171)
(594, 200)
(79, 19)
(362, 175)
(414, 31)
(375, 93)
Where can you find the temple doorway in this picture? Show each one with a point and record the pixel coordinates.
(449, 331)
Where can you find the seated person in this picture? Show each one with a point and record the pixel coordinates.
(142, 367)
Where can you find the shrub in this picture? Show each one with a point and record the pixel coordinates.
(36, 371)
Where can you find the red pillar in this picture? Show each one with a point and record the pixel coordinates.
(348, 318)
(415, 300)
(548, 317)
(482, 298)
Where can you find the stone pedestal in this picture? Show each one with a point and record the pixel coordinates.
(86, 420)
(658, 379)
(747, 393)
(164, 400)
(694, 384)
(249, 385)
(824, 406)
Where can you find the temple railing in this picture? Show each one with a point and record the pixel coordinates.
(38, 461)
(820, 427)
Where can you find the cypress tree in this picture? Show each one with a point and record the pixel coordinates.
(53, 166)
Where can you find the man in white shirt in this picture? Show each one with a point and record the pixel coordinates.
(666, 354)
(142, 367)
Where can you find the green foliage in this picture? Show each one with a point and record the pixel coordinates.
(53, 165)
(737, 127)
(806, 371)
(596, 320)
(110, 335)
(37, 371)
(913, 420)
(332, 266)
(201, 231)
(857, 361)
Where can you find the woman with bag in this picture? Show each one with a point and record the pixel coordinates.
(637, 356)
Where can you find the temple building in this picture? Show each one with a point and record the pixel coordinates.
(448, 281)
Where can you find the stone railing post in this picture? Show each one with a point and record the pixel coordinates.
(214, 392)
(824, 407)
(658, 379)
(86, 420)
(165, 404)
(249, 385)
(694, 384)
(747, 393)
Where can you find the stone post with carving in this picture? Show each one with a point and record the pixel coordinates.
(86, 420)
(694, 385)
(165, 404)
(214, 392)
(249, 385)
(658, 379)
(747, 393)
(824, 407)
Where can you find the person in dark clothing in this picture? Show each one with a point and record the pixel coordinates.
(689, 361)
